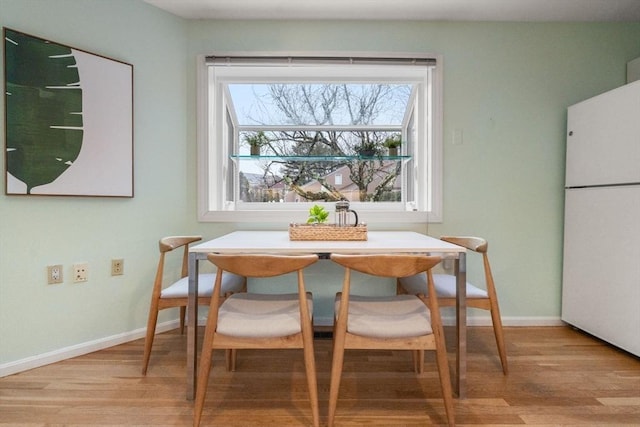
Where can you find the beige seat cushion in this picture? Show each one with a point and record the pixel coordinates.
(250, 315)
(445, 285)
(180, 289)
(394, 316)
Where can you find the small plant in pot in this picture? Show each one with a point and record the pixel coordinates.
(393, 143)
(318, 215)
(368, 149)
(256, 141)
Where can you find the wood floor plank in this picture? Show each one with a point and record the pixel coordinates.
(558, 377)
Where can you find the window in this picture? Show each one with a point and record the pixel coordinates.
(278, 134)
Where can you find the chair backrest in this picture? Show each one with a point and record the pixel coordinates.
(387, 265)
(168, 244)
(481, 246)
(476, 244)
(390, 266)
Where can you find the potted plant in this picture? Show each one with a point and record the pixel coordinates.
(256, 141)
(318, 215)
(393, 143)
(368, 149)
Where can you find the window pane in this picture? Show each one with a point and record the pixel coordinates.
(281, 176)
(320, 104)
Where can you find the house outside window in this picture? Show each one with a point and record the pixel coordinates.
(279, 134)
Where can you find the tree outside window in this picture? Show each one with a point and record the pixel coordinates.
(343, 128)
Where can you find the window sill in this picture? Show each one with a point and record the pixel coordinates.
(286, 217)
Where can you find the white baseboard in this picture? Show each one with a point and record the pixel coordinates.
(80, 349)
(524, 321)
(102, 343)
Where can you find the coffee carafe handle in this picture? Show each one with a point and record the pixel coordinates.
(356, 215)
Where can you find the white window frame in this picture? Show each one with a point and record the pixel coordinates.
(211, 164)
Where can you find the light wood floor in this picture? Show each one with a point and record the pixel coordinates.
(559, 377)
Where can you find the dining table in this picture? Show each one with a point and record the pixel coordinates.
(279, 242)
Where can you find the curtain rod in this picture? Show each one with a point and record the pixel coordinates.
(298, 60)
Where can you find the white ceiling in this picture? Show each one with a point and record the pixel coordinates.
(428, 10)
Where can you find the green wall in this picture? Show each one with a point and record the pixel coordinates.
(506, 86)
(36, 318)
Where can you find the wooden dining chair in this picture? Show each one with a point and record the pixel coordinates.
(396, 322)
(176, 294)
(445, 284)
(259, 321)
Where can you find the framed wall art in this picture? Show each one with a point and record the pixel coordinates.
(68, 120)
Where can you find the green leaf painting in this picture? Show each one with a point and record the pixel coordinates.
(43, 109)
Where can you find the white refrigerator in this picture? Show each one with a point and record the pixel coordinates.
(601, 265)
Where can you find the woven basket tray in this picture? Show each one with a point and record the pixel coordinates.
(327, 232)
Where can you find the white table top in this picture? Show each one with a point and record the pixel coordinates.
(278, 242)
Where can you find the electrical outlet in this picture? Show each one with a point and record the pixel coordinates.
(54, 274)
(117, 267)
(80, 272)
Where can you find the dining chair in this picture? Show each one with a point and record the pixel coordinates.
(445, 284)
(259, 321)
(176, 294)
(395, 322)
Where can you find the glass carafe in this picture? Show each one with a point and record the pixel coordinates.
(342, 214)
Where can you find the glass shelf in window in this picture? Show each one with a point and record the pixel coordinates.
(320, 158)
